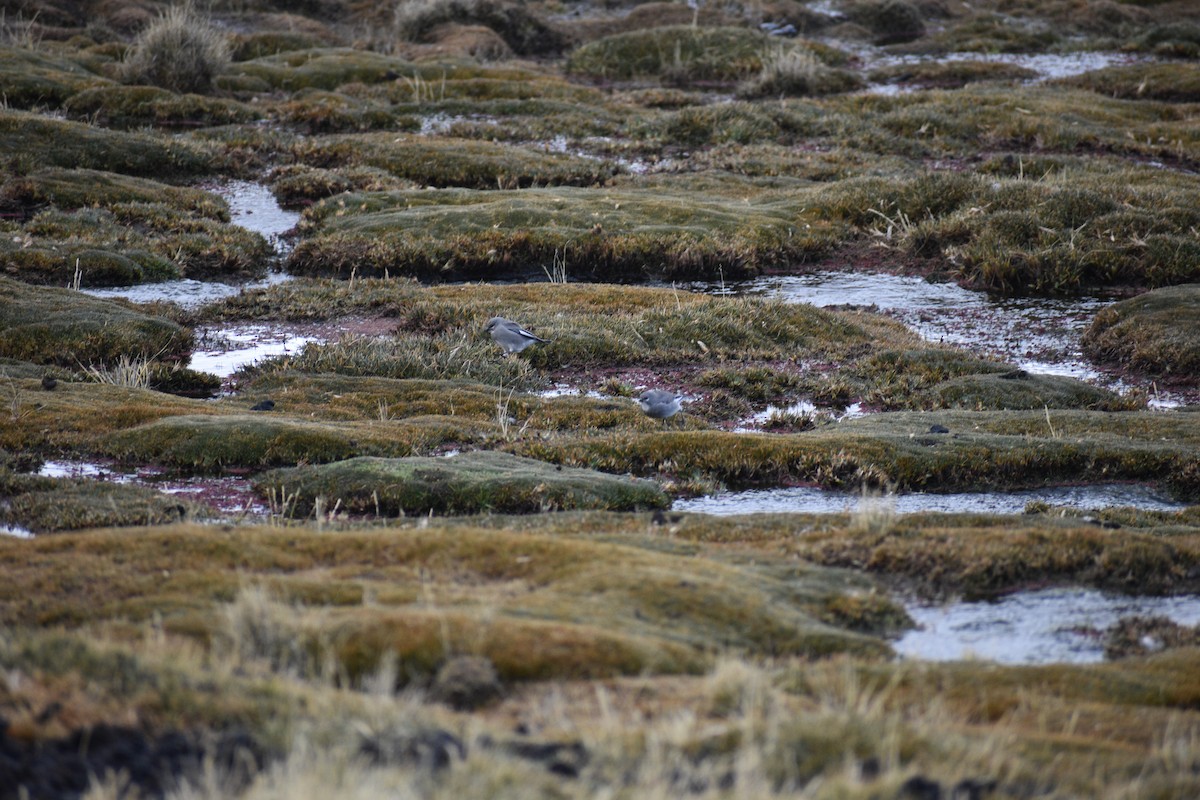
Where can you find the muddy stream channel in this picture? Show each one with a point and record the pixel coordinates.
(1039, 335)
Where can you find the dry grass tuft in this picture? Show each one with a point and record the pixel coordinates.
(181, 51)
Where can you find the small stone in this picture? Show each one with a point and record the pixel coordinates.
(466, 683)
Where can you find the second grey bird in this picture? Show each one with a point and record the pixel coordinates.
(510, 336)
(659, 403)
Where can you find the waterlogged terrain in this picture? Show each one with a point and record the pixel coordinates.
(822, 501)
(1040, 627)
(278, 517)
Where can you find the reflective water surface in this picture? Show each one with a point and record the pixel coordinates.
(228, 494)
(1041, 335)
(1042, 627)
(251, 206)
(812, 500)
(226, 349)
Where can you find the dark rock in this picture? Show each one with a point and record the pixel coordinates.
(263, 405)
(560, 758)
(918, 787)
(938, 429)
(432, 749)
(973, 789)
(466, 683)
(62, 769)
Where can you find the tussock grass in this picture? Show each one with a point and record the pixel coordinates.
(181, 50)
(798, 73)
(74, 188)
(133, 373)
(843, 728)
(288, 633)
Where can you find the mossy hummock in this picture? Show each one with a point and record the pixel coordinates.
(1157, 333)
(595, 234)
(468, 483)
(64, 327)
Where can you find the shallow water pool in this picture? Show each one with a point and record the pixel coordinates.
(1042, 627)
(811, 500)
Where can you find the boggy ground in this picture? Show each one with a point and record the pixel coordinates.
(588, 654)
(541, 631)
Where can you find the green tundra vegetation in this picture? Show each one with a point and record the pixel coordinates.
(458, 574)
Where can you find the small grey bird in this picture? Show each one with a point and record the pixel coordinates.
(510, 336)
(659, 404)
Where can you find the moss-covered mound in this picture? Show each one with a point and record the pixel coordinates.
(1172, 81)
(268, 439)
(45, 325)
(139, 106)
(1019, 235)
(949, 74)
(321, 68)
(1017, 389)
(74, 188)
(447, 161)
(539, 606)
(29, 78)
(596, 235)
(103, 229)
(439, 334)
(928, 451)
(32, 141)
(91, 264)
(739, 350)
(985, 559)
(51, 505)
(678, 53)
(520, 28)
(317, 111)
(889, 21)
(1157, 332)
(468, 483)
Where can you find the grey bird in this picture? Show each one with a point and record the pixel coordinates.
(510, 336)
(659, 404)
